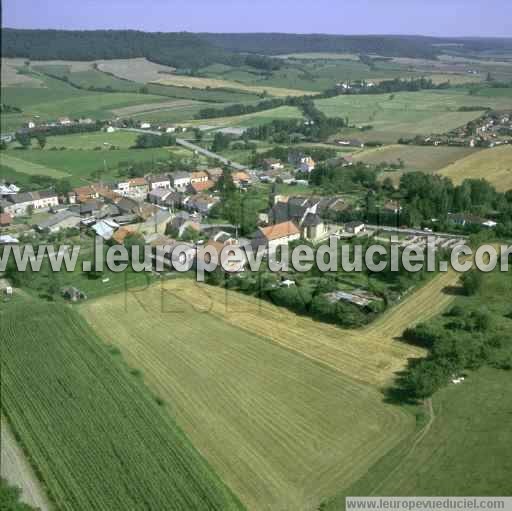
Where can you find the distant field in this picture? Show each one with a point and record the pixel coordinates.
(77, 164)
(29, 167)
(128, 111)
(494, 165)
(213, 83)
(137, 70)
(251, 120)
(424, 158)
(320, 56)
(11, 76)
(283, 431)
(123, 139)
(97, 436)
(407, 114)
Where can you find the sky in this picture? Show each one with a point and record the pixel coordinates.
(423, 17)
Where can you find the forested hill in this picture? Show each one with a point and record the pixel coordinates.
(181, 50)
(192, 51)
(275, 44)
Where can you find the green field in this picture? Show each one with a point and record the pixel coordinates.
(32, 168)
(406, 114)
(98, 438)
(469, 425)
(122, 139)
(77, 165)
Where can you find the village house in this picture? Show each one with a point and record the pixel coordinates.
(158, 196)
(356, 227)
(8, 189)
(156, 182)
(132, 187)
(199, 177)
(84, 193)
(313, 228)
(200, 187)
(272, 164)
(105, 228)
(215, 173)
(241, 179)
(19, 204)
(65, 121)
(274, 236)
(307, 164)
(301, 161)
(5, 219)
(173, 200)
(180, 180)
(201, 203)
(63, 220)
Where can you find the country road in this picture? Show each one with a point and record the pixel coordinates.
(194, 147)
(15, 468)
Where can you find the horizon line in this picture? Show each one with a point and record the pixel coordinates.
(359, 34)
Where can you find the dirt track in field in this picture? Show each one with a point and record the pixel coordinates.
(15, 468)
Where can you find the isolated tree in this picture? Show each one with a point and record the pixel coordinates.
(198, 135)
(472, 282)
(41, 140)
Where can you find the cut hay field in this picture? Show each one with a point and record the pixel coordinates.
(283, 431)
(494, 165)
(421, 158)
(286, 409)
(406, 114)
(97, 435)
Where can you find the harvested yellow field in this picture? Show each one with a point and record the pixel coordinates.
(282, 430)
(371, 355)
(494, 165)
(215, 83)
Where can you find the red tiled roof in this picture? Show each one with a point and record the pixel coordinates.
(201, 187)
(282, 230)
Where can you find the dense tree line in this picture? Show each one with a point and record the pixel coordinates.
(308, 295)
(421, 198)
(148, 140)
(240, 109)
(465, 338)
(387, 87)
(316, 127)
(179, 49)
